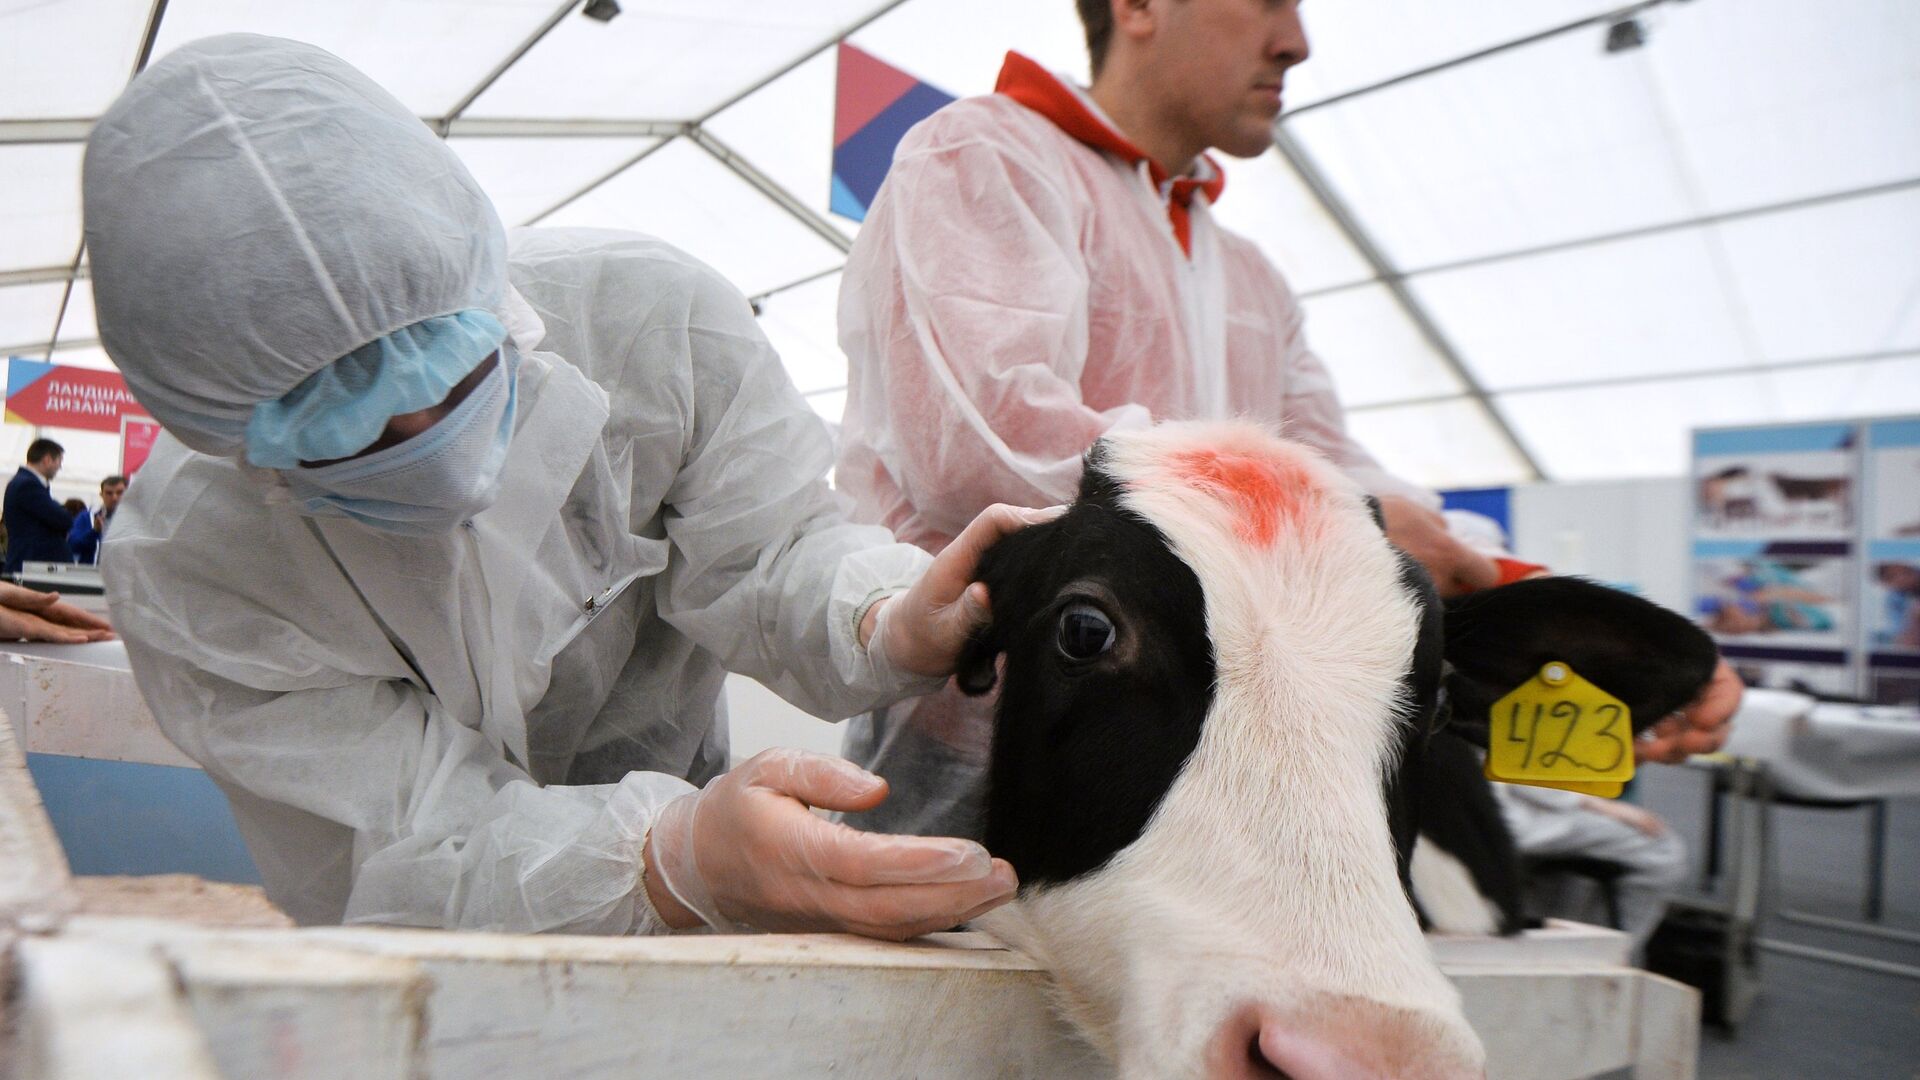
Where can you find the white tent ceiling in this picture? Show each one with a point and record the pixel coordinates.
(1537, 258)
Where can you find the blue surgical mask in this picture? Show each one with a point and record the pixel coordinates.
(431, 482)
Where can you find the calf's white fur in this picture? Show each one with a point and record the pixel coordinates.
(1266, 876)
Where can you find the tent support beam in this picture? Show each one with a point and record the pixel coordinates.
(839, 36)
(47, 347)
(1785, 207)
(440, 126)
(1395, 282)
(1788, 206)
(512, 128)
(758, 298)
(595, 183)
(770, 188)
(154, 16)
(27, 132)
(1607, 18)
(1655, 378)
(39, 275)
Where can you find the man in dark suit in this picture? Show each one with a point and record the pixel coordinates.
(36, 522)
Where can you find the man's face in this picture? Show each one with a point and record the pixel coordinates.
(50, 466)
(1220, 65)
(110, 496)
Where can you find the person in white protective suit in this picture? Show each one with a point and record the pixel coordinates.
(1041, 267)
(449, 545)
(1551, 824)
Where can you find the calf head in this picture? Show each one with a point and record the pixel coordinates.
(1205, 693)
(1214, 670)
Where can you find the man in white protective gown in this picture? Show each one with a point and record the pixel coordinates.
(451, 541)
(1042, 266)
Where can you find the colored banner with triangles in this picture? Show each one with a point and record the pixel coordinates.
(874, 105)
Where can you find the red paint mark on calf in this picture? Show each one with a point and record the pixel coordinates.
(1263, 491)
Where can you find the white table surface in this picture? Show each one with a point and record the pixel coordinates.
(1817, 750)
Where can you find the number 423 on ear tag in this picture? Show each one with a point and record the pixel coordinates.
(1558, 730)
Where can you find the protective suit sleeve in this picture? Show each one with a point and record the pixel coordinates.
(1310, 411)
(967, 296)
(436, 827)
(765, 572)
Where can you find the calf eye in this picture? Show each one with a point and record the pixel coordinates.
(1085, 632)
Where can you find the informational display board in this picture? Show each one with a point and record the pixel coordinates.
(137, 434)
(1890, 578)
(1806, 553)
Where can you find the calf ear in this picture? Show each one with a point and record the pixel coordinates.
(1378, 512)
(979, 664)
(1423, 673)
(1653, 660)
(978, 669)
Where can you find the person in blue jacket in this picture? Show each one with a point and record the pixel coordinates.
(90, 526)
(36, 522)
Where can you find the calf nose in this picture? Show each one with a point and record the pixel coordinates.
(1342, 1038)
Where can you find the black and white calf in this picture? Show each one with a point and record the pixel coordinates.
(1218, 683)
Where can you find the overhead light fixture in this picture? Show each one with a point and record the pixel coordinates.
(601, 10)
(1624, 34)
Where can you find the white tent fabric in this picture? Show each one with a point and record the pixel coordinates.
(1539, 259)
(527, 177)
(684, 196)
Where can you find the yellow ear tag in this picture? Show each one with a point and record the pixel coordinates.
(1558, 730)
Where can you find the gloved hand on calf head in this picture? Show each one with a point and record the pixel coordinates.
(747, 852)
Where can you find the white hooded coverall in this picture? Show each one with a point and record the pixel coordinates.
(472, 729)
(1548, 823)
(1019, 288)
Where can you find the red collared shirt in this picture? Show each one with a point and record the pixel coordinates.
(1033, 86)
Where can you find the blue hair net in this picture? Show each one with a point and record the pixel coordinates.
(341, 409)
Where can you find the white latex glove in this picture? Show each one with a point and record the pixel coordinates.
(922, 630)
(746, 852)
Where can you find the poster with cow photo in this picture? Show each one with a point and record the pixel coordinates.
(1890, 571)
(1793, 482)
(1779, 595)
(1893, 480)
